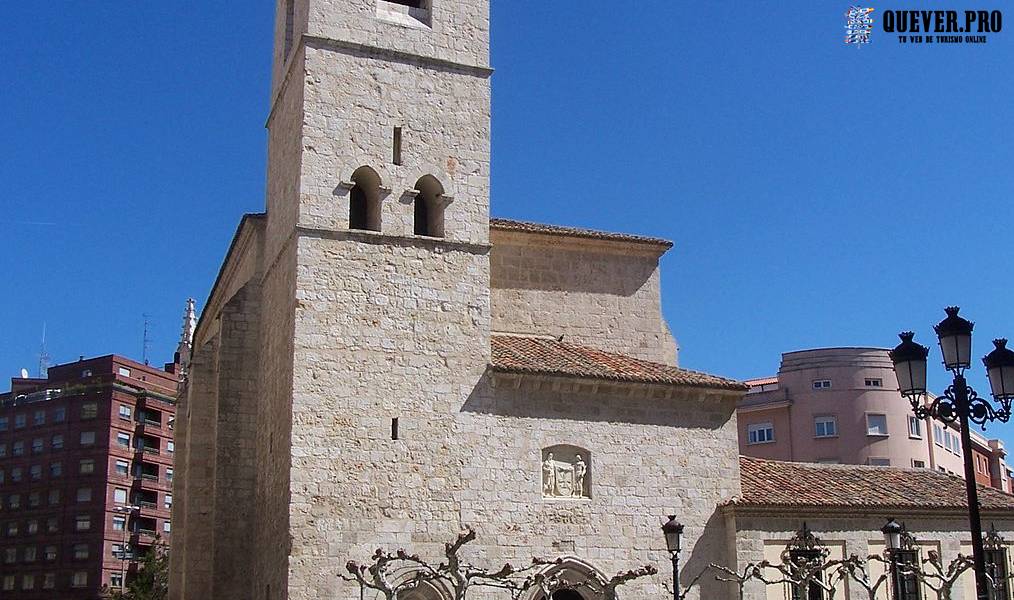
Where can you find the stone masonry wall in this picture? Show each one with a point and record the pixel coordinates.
(236, 438)
(602, 294)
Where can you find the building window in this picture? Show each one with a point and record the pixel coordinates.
(33, 527)
(168, 500)
(938, 435)
(169, 475)
(122, 468)
(49, 581)
(8, 583)
(364, 200)
(55, 469)
(874, 382)
(429, 207)
(54, 497)
(120, 496)
(123, 439)
(760, 433)
(82, 523)
(52, 525)
(18, 449)
(166, 527)
(20, 421)
(410, 3)
(170, 447)
(86, 373)
(12, 529)
(79, 579)
(36, 472)
(37, 446)
(4, 423)
(16, 474)
(116, 580)
(3, 476)
(876, 424)
(39, 418)
(914, 427)
(878, 462)
(290, 17)
(30, 554)
(87, 438)
(801, 557)
(27, 582)
(3, 450)
(80, 551)
(56, 443)
(825, 427)
(84, 494)
(89, 410)
(86, 466)
(918, 464)
(822, 384)
(49, 553)
(904, 580)
(125, 412)
(34, 499)
(59, 414)
(996, 566)
(123, 372)
(14, 501)
(119, 523)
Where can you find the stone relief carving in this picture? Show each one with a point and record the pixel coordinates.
(565, 472)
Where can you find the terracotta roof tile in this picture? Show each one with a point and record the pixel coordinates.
(771, 483)
(523, 354)
(526, 226)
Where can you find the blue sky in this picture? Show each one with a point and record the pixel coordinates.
(818, 194)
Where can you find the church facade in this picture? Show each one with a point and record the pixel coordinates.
(380, 363)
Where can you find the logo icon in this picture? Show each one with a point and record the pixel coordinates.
(858, 25)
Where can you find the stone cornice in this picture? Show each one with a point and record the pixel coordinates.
(383, 239)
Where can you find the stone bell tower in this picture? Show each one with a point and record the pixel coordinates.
(376, 280)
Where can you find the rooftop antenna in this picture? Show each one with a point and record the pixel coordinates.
(43, 356)
(146, 344)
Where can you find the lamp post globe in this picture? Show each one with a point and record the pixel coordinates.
(909, 360)
(892, 534)
(955, 336)
(1000, 371)
(673, 531)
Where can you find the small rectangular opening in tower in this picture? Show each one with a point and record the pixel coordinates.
(394, 428)
(410, 3)
(397, 145)
(290, 15)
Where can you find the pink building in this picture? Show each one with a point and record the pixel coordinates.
(842, 405)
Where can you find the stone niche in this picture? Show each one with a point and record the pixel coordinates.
(566, 472)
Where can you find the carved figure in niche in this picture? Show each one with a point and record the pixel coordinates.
(579, 470)
(549, 476)
(565, 472)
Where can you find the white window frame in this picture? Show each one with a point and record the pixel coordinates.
(824, 420)
(920, 466)
(821, 384)
(126, 412)
(873, 382)
(917, 433)
(869, 431)
(754, 430)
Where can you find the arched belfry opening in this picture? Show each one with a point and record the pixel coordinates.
(364, 200)
(429, 207)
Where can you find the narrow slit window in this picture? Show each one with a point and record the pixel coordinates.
(394, 428)
(397, 146)
(290, 15)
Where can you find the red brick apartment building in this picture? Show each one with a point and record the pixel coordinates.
(86, 459)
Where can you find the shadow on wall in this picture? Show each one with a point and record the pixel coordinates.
(578, 400)
(557, 270)
(710, 548)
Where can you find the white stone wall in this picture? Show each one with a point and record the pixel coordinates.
(603, 294)
(764, 536)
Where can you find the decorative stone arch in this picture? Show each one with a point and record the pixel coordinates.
(566, 472)
(429, 204)
(568, 578)
(365, 195)
(430, 589)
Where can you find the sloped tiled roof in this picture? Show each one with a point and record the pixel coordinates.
(529, 227)
(772, 483)
(524, 354)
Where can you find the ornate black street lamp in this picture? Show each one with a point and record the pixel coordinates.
(959, 403)
(673, 531)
